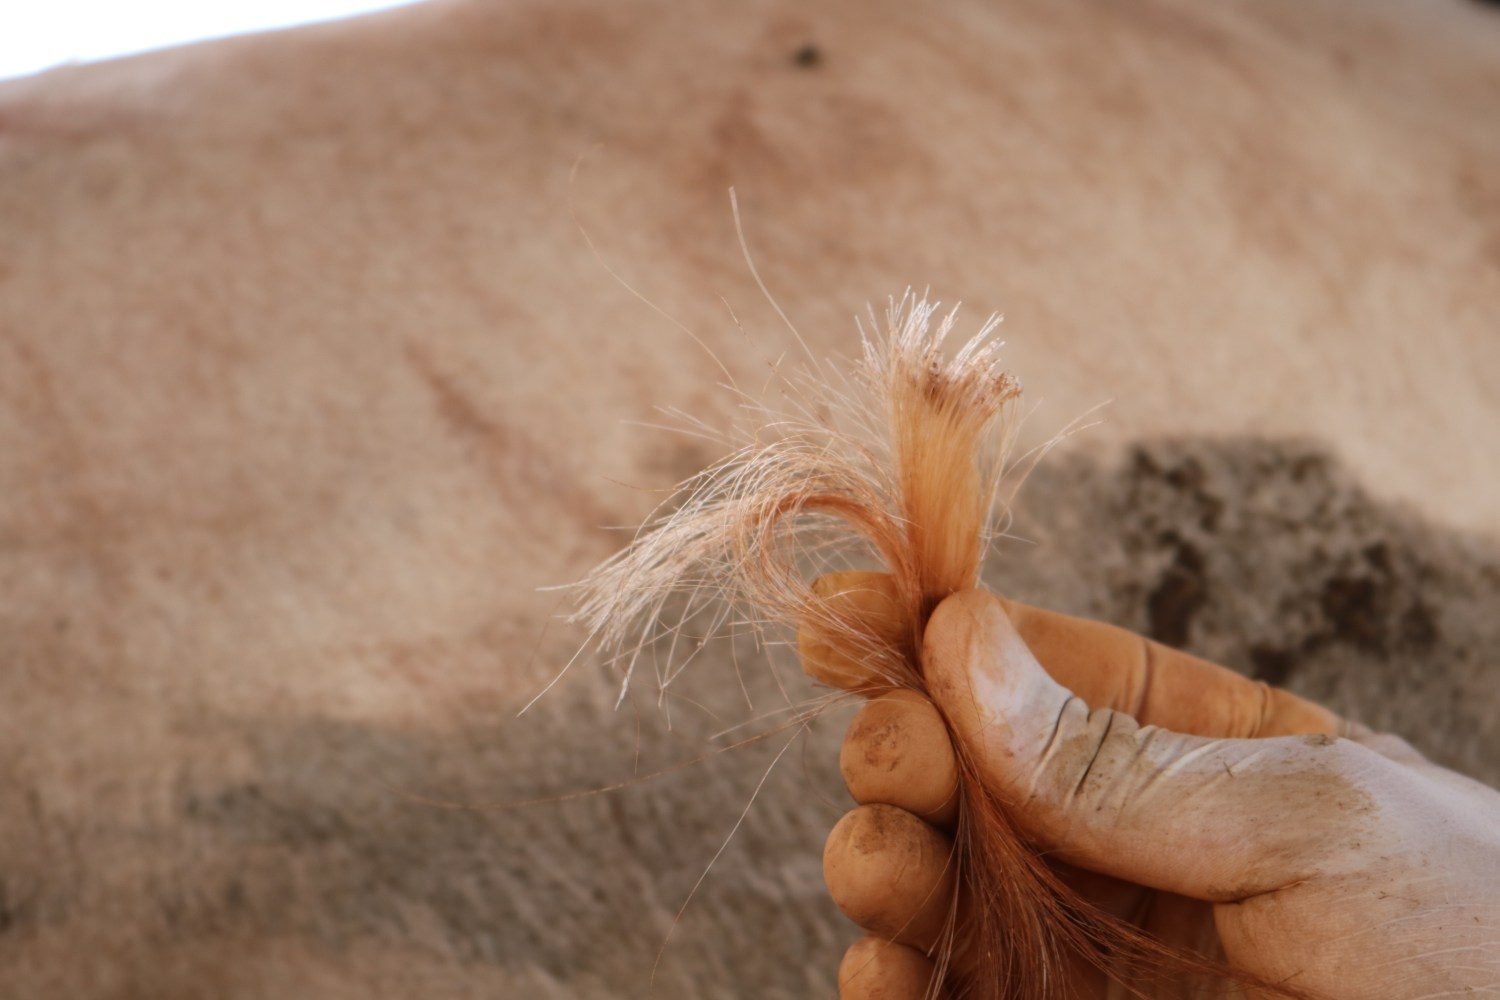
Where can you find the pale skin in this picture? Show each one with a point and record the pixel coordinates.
(1211, 810)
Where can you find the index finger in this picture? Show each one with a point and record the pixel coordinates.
(1106, 666)
(1111, 667)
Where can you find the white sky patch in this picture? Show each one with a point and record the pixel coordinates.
(38, 35)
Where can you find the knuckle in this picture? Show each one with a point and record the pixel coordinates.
(1088, 753)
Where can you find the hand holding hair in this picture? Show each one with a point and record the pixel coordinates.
(1136, 817)
(1212, 811)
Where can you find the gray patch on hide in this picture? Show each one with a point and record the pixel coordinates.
(339, 838)
(1268, 557)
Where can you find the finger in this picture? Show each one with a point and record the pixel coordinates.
(1112, 667)
(874, 969)
(868, 602)
(1214, 819)
(1106, 666)
(891, 874)
(897, 752)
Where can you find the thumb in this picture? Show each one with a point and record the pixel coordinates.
(1215, 819)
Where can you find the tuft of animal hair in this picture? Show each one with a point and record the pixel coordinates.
(907, 460)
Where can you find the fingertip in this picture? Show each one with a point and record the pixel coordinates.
(857, 615)
(1000, 706)
(1286, 713)
(897, 752)
(891, 874)
(963, 608)
(874, 969)
(962, 623)
(969, 639)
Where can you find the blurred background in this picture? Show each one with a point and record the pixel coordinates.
(310, 381)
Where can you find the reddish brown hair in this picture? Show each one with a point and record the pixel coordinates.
(909, 456)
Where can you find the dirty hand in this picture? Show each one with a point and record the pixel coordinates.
(1213, 811)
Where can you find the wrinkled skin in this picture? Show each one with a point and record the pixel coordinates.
(1228, 819)
(308, 380)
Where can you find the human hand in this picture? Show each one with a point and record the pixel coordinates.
(1213, 811)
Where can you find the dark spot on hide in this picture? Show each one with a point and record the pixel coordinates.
(808, 56)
